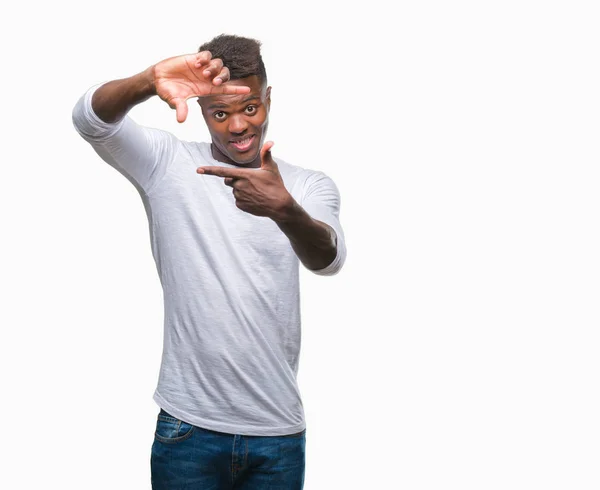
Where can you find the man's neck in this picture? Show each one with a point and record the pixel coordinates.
(217, 155)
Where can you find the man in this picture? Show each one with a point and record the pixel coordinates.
(229, 224)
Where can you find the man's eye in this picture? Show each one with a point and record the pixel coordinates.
(251, 109)
(219, 115)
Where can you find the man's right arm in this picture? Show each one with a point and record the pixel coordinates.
(141, 154)
(144, 154)
(113, 100)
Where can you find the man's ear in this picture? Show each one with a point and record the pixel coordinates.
(268, 97)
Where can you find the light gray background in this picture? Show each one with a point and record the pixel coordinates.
(458, 347)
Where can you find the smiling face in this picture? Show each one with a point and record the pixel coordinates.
(238, 123)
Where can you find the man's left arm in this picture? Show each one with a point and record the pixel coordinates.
(314, 229)
(312, 226)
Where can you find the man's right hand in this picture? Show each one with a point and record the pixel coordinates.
(192, 75)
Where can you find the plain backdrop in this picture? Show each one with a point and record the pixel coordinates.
(458, 347)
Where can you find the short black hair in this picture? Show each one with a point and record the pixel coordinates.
(240, 54)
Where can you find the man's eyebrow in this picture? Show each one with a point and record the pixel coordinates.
(221, 105)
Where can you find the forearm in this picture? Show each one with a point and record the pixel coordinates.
(113, 100)
(314, 242)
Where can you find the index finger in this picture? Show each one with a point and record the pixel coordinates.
(226, 89)
(238, 173)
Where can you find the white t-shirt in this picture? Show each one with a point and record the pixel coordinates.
(230, 279)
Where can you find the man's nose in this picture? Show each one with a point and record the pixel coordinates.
(237, 124)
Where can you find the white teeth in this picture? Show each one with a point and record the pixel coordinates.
(243, 142)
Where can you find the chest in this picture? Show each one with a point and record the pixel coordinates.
(204, 209)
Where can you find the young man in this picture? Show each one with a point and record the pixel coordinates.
(229, 224)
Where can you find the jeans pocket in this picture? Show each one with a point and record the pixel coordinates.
(171, 430)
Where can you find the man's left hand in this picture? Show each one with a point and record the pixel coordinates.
(260, 191)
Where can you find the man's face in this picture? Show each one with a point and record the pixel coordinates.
(238, 123)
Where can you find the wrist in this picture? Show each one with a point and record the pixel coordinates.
(147, 78)
(288, 212)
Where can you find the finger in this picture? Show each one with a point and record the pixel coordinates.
(203, 58)
(214, 67)
(181, 109)
(265, 155)
(229, 89)
(222, 77)
(223, 172)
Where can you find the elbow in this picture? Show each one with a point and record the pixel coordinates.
(336, 265)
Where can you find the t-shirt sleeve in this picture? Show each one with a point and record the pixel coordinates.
(321, 200)
(141, 154)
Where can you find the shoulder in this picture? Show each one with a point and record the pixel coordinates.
(303, 176)
(198, 151)
(287, 169)
(318, 182)
(308, 183)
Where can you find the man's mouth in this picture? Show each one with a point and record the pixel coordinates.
(243, 144)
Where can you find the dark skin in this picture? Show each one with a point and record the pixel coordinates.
(174, 80)
(231, 118)
(257, 185)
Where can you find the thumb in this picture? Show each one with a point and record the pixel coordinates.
(182, 109)
(265, 155)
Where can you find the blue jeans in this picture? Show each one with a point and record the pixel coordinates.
(193, 458)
